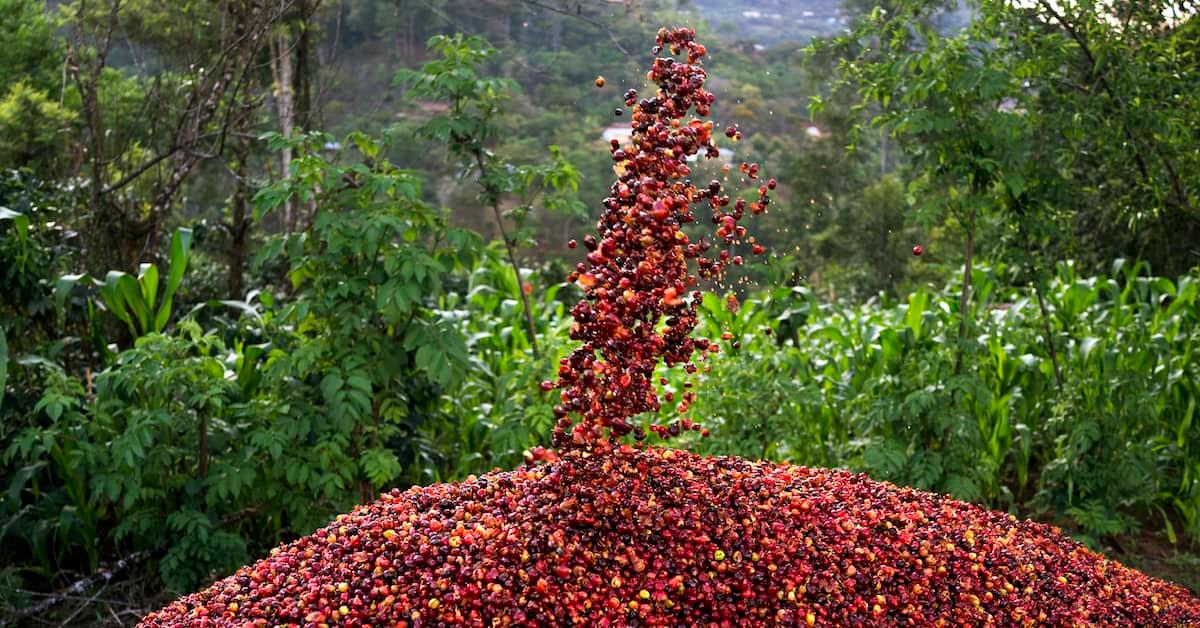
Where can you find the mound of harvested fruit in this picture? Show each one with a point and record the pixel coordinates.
(663, 537)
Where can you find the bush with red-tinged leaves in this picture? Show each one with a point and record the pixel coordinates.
(664, 537)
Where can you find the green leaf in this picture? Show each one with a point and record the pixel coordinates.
(148, 278)
(1171, 536)
(889, 341)
(365, 144)
(1164, 286)
(380, 466)
(1087, 345)
(1016, 185)
(20, 221)
(961, 487)
(925, 470)
(331, 384)
(888, 458)
(64, 285)
(1181, 432)
(181, 245)
(21, 478)
(114, 299)
(131, 292)
(914, 315)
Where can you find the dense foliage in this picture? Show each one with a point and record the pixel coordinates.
(874, 386)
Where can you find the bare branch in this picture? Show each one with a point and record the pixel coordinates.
(585, 19)
(81, 586)
(137, 172)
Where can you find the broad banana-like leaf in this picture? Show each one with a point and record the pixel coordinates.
(181, 245)
(148, 278)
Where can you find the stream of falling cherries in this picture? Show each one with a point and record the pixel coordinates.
(637, 276)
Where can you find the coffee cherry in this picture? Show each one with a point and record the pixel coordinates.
(572, 244)
(599, 81)
(637, 275)
(917, 250)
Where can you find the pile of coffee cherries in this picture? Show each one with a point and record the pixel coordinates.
(623, 536)
(640, 291)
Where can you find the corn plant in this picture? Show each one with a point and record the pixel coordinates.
(874, 387)
(136, 301)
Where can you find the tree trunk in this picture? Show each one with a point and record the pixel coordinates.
(203, 448)
(883, 152)
(240, 224)
(105, 241)
(281, 70)
(1058, 376)
(494, 198)
(126, 228)
(302, 77)
(965, 298)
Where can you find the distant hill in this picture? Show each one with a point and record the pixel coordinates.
(769, 22)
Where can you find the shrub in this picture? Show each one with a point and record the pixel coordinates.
(206, 444)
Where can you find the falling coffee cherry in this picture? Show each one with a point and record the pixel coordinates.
(917, 250)
(599, 81)
(618, 112)
(638, 277)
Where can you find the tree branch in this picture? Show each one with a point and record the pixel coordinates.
(494, 201)
(1176, 188)
(140, 170)
(81, 586)
(585, 19)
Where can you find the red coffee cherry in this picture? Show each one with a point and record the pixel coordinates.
(638, 278)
